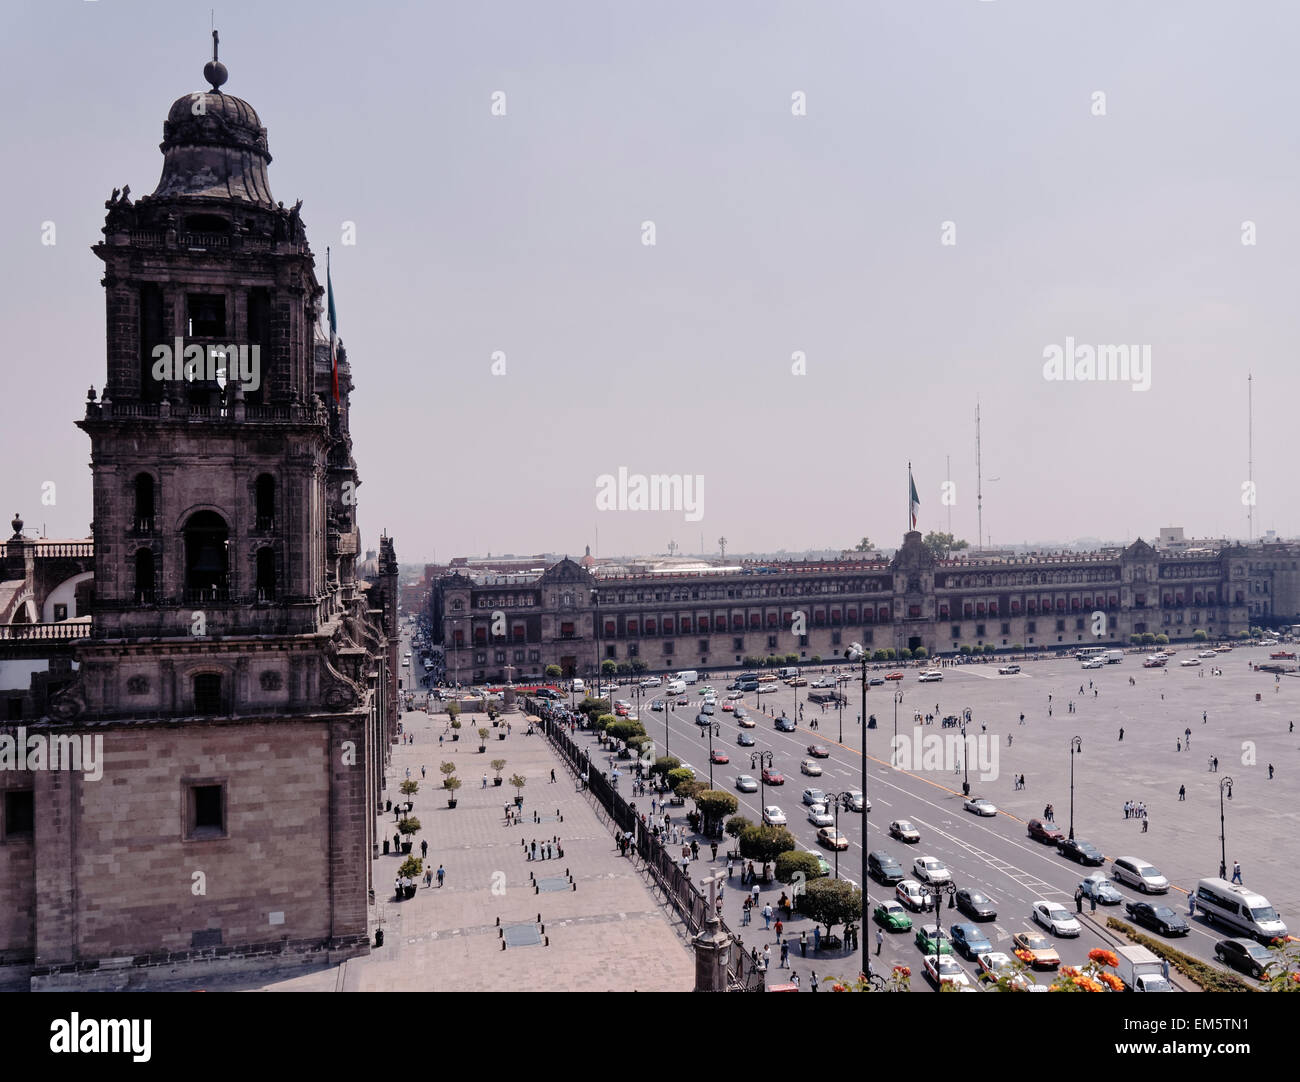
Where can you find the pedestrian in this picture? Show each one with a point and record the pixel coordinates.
(767, 915)
(767, 956)
(814, 980)
(1270, 771)
(1022, 719)
(803, 943)
(424, 849)
(441, 873)
(422, 771)
(484, 781)
(1121, 732)
(1145, 823)
(439, 740)
(794, 979)
(1178, 745)
(552, 775)
(1092, 902)
(730, 868)
(778, 928)
(1182, 792)
(1078, 899)
(785, 955)
(1291, 728)
(1191, 904)
(817, 938)
(1236, 872)
(1205, 717)
(428, 877)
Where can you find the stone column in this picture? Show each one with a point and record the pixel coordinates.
(711, 946)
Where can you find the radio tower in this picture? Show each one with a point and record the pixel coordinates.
(1250, 456)
(979, 480)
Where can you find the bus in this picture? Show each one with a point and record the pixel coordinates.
(1090, 651)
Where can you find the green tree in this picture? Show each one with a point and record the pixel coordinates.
(679, 776)
(609, 667)
(792, 659)
(736, 826)
(1135, 639)
(408, 825)
(665, 764)
(1199, 635)
(796, 863)
(411, 867)
(879, 656)
(498, 765)
(714, 805)
(553, 672)
(624, 667)
(409, 787)
(623, 728)
(447, 769)
(905, 654)
(989, 648)
(518, 781)
(964, 650)
(816, 659)
(831, 902)
(752, 662)
(593, 708)
(765, 844)
(921, 652)
(1162, 639)
(639, 664)
(1148, 639)
(453, 710)
(864, 545)
(943, 544)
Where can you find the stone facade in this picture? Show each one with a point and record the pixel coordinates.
(699, 619)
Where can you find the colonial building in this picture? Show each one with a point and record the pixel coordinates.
(240, 676)
(497, 625)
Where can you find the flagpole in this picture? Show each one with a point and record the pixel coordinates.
(909, 497)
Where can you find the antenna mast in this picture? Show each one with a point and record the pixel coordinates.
(1250, 455)
(979, 479)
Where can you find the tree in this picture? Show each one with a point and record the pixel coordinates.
(831, 902)
(989, 648)
(553, 672)
(905, 654)
(518, 781)
(609, 667)
(790, 866)
(409, 787)
(879, 655)
(890, 653)
(864, 545)
(765, 844)
(593, 708)
(624, 667)
(498, 765)
(714, 805)
(736, 826)
(1135, 639)
(1199, 635)
(752, 662)
(1148, 639)
(678, 776)
(639, 664)
(448, 769)
(943, 544)
(622, 728)
(921, 652)
(792, 659)
(1162, 639)
(453, 710)
(816, 659)
(411, 867)
(665, 764)
(483, 735)
(408, 826)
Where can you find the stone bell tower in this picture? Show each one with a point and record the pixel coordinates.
(239, 684)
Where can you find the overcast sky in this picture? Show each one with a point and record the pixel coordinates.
(774, 233)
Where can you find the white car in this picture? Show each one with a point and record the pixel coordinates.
(1093, 663)
(943, 969)
(651, 682)
(732, 696)
(814, 796)
(1056, 919)
(820, 817)
(823, 682)
(980, 806)
(1008, 670)
(930, 870)
(908, 891)
(764, 689)
(1207, 654)
(773, 816)
(1189, 662)
(930, 676)
(746, 784)
(994, 965)
(810, 766)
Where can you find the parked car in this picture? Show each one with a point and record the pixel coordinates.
(773, 816)
(823, 682)
(930, 870)
(831, 837)
(1159, 918)
(994, 965)
(1244, 955)
(903, 830)
(980, 806)
(892, 917)
(772, 777)
(908, 891)
(1056, 919)
(1079, 850)
(1034, 949)
(1099, 887)
(975, 905)
(884, 867)
(969, 940)
(746, 784)
(1043, 831)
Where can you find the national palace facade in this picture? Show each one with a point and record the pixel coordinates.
(498, 626)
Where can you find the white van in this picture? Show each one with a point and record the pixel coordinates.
(931, 676)
(1113, 657)
(787, 673)
(676, 687)
(1139, 874)
(1234, 906)
(578, 687)
(688, 676)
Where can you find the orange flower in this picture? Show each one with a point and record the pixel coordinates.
(903, 971)
(1111, 981)
(839, 988)
(1024, 955)
(1105, 957)
(1069, 971)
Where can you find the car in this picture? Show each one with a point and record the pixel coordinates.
(621, 711)
(818, 752)
(931, 938)
(975, 905)
(930, 676)
(796, 682)
(1100, 888)
(623, 703)
(657, 705)
(703, 720)
(979, 805)
(808, 766)
(1056, 919)
(1189, 662)
(708, 708)
(1043, 831)
(893, 676)
(773, 816)
(942, 969)
(1093, 663)
(733, 697)
(740, 712)
(814, 796)
(1206, 654)
(823, 682)
(819, 816)
(930, 870)
(727, 708)
(831, 837)
(994, 965)
(745, 721)
(706, 690)
(785, 725)
(1136, 872)
(854, 801)
(823, 865)
(1034, 949)
(1008, 670)
(718, 756)
(745, 740)
(903, 830)
(746, 783)
(908, 891)
(969, 940)
(765, 689)
(772, 777)
(1159, 918)
(875, 682)
(1081, 851)
(1244, 955)
(683, 702)
(651, 682)
(892, 917)
(884, 867)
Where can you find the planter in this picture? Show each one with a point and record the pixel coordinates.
(451, 802)
(501, 736)
(482, 748)
(406, 848)
(455, 736)
(496, 781)
(495, 724)
(409, 892)
(519, 802)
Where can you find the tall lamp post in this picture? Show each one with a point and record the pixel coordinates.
(761, 760)
(898, 698)
(858, 653)
(714, 730)
(838, 800)
(937, 891)
(1224, 785)
(1076, 746)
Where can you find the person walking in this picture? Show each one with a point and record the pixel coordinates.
(767, 915)
(1121, 732)
(1182, 792)
(767, 956)
(424, 849)
(1078, 899)
(1191, 904)
(1270, 771)
(484, 781)
(817, 938)
(552, 775)
(422, 771)
(785, 955)
(803, 944)
(1145, 823)
(441, 874)
(778, 927)
(1236, 871)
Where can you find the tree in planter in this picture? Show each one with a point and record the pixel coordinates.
(482, 738)
(411, 868)
(796, 866)
(448, 769)
(989, 648)
(1135, 640)
(879, 655)
(905, 654)
(736, 826)
(765, 844)
(664, 765)
(498, 765)
(455, 728)
(679, 776)
(408, 826)
(1162, 639)
(553, 672)
(831, 902)
(519, 781)
(409, 787)
(714, 805)
(452, 784)
(792, 659)
(816, 659)
(453, 712)
(1199, 635)
(691, 790)
(921, 652)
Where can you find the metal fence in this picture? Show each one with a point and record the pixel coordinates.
(663, 865)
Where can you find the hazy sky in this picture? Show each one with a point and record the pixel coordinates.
(774, 233)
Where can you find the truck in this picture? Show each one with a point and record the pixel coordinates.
(1113, 657)
(688, 676)
(1141, 970)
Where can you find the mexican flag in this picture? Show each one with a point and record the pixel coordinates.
(334, 333)
(915, 500)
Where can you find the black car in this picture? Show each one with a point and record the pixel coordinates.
(975, 905)
(1246, 956)
(703, 720)
(883, 867)
(744, 740)
(1083, 852)
(1159, 918)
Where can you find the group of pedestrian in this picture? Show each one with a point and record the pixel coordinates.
(546, 850)
(1135, 809)
(1019, 780)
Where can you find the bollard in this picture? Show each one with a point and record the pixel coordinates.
(537, 889)
(575, 886)
(547, 941)
(498, 922)
(503, 944)
(543, 929)
(539, 918)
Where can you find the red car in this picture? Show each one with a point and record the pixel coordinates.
(728, 707)
(818, 752)
(719, 756)
(893, 676)
(1043, 831)
(772, 777)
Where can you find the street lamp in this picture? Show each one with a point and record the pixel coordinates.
(1224, 784)
(713, 730)
(937, 891)
(898, 698)
(837, 799)
(857, 652)
(761, 760)
(1076, 745)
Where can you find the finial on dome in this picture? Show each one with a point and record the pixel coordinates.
(214, 71)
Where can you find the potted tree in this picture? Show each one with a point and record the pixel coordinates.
(452, 784)
(409, 788)
(411, 869)
(498, 765)
(494, 712)
(447, 769)
(519, 781)
(407, 827)
(455, 728)
(482, 740)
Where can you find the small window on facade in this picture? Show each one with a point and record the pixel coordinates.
(264, 493)
(144, 503)
(207, 693)
(206, 315)
(20, 813)
(205, 811)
